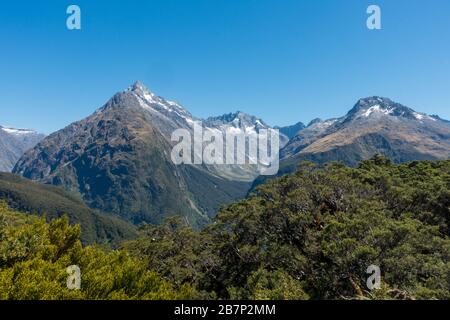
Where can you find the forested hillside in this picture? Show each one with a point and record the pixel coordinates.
(310, 235)
(34, 198)
(34, 256)
(313, 234)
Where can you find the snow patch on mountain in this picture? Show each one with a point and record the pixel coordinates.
(18, 132)
(377, 109)
(422, 116)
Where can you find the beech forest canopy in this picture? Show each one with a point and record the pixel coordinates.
(308, 235)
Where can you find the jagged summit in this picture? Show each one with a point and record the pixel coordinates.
(314, 121)
(237, 119)
(138, 86)
(373, 125)
(377, 106)
(141, 90)
(375, 100)
(138, 94)
(381, 103)
(292, 130)
(118, 160)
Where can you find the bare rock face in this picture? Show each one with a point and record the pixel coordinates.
(291, 131)
(118, 160)
(14, 143)
(373, 125)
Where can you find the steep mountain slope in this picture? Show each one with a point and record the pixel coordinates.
(306, 136)
(13, 144)
(238, 122)
(373, 125)
(291, 131)
(248, 124)
(118, 160)
(34, 198)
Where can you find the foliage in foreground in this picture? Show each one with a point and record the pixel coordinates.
(313, 234)
(310, 235)
(34, 256)
(54, 202)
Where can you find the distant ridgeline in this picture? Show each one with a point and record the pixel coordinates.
(13, 144)
(118, 160)
(53, 202)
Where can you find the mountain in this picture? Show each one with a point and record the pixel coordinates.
(238, 122)
(237, 119)
(291, 131)
(305, 136)
(119, 161)
(13, 144)
(373, 125)
(35, 198)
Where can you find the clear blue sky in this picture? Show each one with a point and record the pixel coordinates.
(282, 60)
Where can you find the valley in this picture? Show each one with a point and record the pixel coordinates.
(119, 160)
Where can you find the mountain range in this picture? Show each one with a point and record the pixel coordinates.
(118, 160)
(373, 125)
(13, 144)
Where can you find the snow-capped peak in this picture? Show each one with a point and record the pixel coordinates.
(18, 132)
(379, 107)
(237, 119)
(138, 86)
(142, 91)
(149, 99)
(154, 103)
(373, 105)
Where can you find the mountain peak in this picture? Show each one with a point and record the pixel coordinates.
(148, 97)
(242, 115)
(314, 121)
(153, 103)
(292, 130)
(366, 103)
(139, 88)
(138, 85)
(377, 105)
(237, 119)
(374, 100)
(14, 143)
(18, 132)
